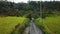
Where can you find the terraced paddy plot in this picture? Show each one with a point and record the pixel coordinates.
(8, 24)
(51, 24)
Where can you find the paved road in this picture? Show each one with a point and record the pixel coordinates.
(33, 29)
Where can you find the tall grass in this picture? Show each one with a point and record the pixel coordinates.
(8, 24)
(51, 24)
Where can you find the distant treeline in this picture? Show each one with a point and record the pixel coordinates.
(32, 7)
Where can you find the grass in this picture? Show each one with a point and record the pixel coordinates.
(7, 24)
(51, 24)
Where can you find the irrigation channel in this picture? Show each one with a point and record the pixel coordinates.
(32, 29)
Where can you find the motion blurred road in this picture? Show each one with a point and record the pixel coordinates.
(33, 29)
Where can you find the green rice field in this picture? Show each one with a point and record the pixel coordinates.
(10, 24)
(51, 25)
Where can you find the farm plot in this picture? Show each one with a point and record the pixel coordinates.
(8, 24)
(50, 25)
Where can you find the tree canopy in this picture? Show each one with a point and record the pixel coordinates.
(32, 7)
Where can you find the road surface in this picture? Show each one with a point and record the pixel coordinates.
(33, 29)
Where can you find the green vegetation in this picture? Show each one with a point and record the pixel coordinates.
(19, 9)
(11, 25)
(32, 7)
(50, 25)
(49, 20)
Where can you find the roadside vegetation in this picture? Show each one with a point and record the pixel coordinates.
(13, 25)
(49, 25)
(13, 22)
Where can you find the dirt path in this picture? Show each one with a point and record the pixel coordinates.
(33, 29)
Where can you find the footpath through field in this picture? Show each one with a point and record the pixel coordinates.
(33, 29)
